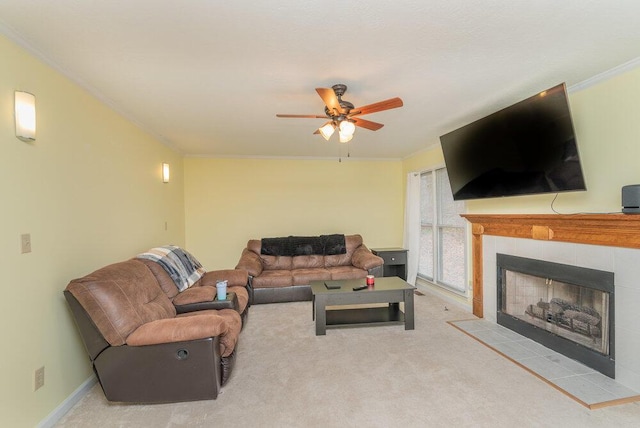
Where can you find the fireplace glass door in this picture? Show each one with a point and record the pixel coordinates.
(577, 313)
(567, 308)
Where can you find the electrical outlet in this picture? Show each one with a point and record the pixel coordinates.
(38, 378)
(25, 240)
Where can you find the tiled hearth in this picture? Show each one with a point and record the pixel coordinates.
(624, 261)
(583, 384)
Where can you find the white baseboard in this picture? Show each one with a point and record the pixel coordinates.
(68, 403)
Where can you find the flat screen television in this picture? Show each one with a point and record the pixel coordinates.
(527, 148)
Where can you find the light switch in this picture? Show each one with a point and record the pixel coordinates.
(25, 239)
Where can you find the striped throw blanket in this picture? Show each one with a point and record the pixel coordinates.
(181, 266)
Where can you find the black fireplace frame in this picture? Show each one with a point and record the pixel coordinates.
(593, 278)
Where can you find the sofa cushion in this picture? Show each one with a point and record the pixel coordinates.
(346, 272)
(277, 262)
(232, 276)
(307, 262)
(303, 276)
(334, 244)
(164, 280)
(121, 297)
(273, 278)
(352, 242)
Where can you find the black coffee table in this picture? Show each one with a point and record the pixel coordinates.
(391, 290)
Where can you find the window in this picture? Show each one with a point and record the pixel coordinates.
(442, 258)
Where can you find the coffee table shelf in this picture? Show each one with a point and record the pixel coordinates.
(388, 315)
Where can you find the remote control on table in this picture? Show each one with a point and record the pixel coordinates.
(364, 287)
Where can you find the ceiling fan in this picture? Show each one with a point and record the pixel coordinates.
(342, 115)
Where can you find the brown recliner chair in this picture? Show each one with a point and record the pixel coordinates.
(140, 349)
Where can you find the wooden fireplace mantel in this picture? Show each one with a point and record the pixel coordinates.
(617, 230)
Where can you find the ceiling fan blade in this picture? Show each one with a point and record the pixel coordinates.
(304, 116)
(367, 124)
(330, 99)
(376, 107)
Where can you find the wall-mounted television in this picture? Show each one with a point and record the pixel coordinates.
(527, 148)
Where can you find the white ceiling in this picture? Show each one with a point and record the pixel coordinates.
(208, 77)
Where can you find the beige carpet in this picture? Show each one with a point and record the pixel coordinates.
(433, 376)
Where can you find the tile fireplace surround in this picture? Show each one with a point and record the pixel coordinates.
(606, 242)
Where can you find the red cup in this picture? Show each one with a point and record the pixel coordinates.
(370, 280)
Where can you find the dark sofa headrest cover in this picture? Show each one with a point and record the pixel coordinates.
(327, 245)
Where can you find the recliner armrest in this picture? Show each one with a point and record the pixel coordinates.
(230, 303)
(168, 330)
(224, 323)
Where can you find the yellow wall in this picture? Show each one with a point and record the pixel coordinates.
(89, 192)
(426, 159)
(229, 201)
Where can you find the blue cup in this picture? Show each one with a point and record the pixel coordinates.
(221, 287)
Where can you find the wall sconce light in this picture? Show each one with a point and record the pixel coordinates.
(165, 172)
(25, 113)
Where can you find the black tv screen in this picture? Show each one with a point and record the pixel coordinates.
(527, 148)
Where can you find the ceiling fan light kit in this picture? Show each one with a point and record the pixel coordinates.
(347, 127)
(327, 130)
(345, 138)
(343, 115)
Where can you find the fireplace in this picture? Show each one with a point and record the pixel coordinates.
(566, 308)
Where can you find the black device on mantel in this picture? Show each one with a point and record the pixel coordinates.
(631, 199)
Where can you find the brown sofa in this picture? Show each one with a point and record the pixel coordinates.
(280, 268)
(142, 350)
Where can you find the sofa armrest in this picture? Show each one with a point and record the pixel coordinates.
(230, 303)
(233, 276)
(363, 258)
(250, 262)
